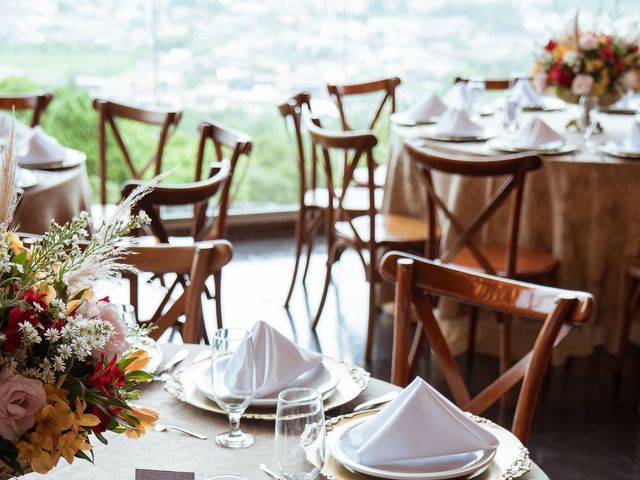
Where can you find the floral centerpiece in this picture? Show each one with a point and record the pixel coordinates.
(67, 372)
(588, 63)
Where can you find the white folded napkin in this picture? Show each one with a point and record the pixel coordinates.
(278, 360)
(457, 96)
(39, 147)
(456, 122)
(524, 93)
(536, 133)
(633, 140)
(20, 129)
(426, 109)
(416, 428)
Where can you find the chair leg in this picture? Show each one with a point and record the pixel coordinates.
(217, 281)
(311, 240)
(325, 289)
(372, 312)
(298, 252)
(630, 305)
(505, 353)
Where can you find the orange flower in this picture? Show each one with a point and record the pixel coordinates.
(141, 360)
(146, 417)
(15, 244)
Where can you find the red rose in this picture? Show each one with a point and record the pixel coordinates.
(106, 375)
(560, 76)
(606, 54)
(551, 45)
(618, 66)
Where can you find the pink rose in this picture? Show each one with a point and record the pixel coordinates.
(20, 399)
(107, 312)
(582, 84)
(588, 41)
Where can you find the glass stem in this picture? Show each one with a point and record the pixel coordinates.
(234, 425)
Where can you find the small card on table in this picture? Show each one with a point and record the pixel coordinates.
(142, 474)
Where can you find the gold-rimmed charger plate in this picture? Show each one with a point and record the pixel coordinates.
(505, 146)
(619, 110)
(510, 462)
(405, 121)
(353, 381)
(73, 158)
(617, 150)
(431, 134)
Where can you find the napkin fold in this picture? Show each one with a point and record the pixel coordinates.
(278, 361)
(417, 426)
(20, 129)
(39, 147)
(456, 122)
(426, 109)
(633, 140)
(524, 94)
(457, 96)
(536, 133)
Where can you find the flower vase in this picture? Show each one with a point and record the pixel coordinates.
(605, 100)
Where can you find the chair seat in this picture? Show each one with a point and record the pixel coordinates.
(530, 263)
(634, 267)
(390, 229)
(357, 199)
(361, 176)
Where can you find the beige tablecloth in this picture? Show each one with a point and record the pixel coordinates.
(59, 195)
(174, 451)
(582, 207)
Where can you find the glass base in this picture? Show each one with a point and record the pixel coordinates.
(238, 440)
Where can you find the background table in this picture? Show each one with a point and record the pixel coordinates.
(175, 451)
(59, 195)
(581, 207)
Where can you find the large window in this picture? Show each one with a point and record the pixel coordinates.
(235, 60)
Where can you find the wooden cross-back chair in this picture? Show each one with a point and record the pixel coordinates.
(366, 233)
(38, 102)
(197, 262)
(313, 200)
(490, 84)
(388, 87)
(505, 260)
(418, 281)
(196, 194)
(108, 113)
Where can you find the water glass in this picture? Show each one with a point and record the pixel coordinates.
(128, 316)
(300, 434)
(233, 378)
(475, 90)
(512, 112)
(589, 110)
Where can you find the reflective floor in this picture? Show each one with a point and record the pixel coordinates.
(587, 422)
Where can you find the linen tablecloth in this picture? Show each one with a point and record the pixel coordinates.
(581, 207)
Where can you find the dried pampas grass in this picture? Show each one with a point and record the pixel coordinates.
(8, 197)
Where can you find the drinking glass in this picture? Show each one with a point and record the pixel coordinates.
(300, 433)
(512, 112)
(589, 110)
(233, 377)
(475, 90)
(128, 316)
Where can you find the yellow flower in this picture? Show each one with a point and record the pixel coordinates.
(593, 65)
(15, 244)
(146, 418)
(84, 419)
(141, 360)
(559, 51)
(71, 442)
(599, 88)
(45, 288)
(40, 461)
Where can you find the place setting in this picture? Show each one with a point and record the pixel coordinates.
(537, 136)
(628, 148)
(455, 125)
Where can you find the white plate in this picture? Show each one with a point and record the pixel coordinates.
(618, 150)
(553, 148)
(435, 468)
(324, 378)
(433, 134)
(73, 158)
(406, 121)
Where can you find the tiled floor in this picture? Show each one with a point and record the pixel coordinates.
(587, 423)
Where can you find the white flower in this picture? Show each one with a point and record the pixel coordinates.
(571, 58)
(65, 351)
(38, 308)
(52, 334)
(3, 338)
(66, 332)
(45, 363)
(29, 333)
(58, 363)
(588, 41)
(48, 376)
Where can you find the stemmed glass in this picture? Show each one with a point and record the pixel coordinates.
(300, 433)
(589, 110)
(233, 377)
(128, 316)
(475, 90)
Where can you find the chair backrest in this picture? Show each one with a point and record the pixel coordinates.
(353, 146)
(198, 194)
(292, 112)
(491, 84)
(418, 281)
(199, 261)
(386, 85)
(37, 102)
(514, 167)
(228, 144)
(108, 112)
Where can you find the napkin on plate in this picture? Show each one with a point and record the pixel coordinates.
(536, 133)
(456, 122)
(523, 93)
(457, 96)
(40, 148)
(278, 360)
(426, 109)
(417, 426)
(633, 140)
(20, 129)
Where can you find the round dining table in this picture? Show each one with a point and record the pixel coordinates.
(582, 207)
(57, 195)
(173, 451)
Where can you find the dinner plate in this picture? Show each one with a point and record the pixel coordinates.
(618, 150)
(405, 121)
(353, 380)
(554, 148)
(344, 448)
(25, 178)
(324, 378)
(619, 110)
(432, 134)
(73, 158)
(548, 105)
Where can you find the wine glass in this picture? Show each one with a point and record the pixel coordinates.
(128, 316)
(512, 112)
(475, 90)
(589, 110)
(233, 378)
(300, 433)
